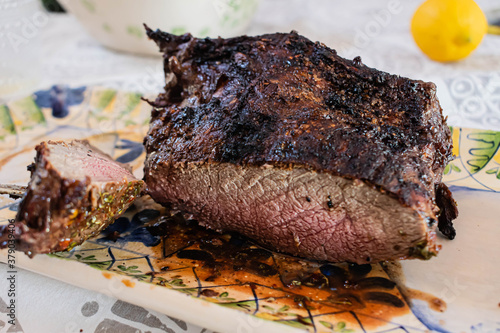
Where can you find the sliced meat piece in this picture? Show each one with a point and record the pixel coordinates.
(75, 191)
(311, 154)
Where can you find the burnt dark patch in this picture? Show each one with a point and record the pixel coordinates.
(374, 282)
(195, 255)
(383, 298)
(258, 268)
(209, 293)
(337, 277)
(358, 271)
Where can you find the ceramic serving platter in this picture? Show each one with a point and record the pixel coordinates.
(156, 259)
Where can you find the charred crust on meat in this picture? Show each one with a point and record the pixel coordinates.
(329, 203)
(375, 122)
(357, 61)
(285, 101)
(31, 167)
(448, 210)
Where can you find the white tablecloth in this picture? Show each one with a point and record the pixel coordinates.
(469, 92)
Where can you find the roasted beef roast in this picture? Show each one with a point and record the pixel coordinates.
(282, 140)
(75, 191)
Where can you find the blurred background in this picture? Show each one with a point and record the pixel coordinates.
(90, 42)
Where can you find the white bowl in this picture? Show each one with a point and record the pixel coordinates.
(118, 24)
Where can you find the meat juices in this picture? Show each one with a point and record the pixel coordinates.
(282, 140)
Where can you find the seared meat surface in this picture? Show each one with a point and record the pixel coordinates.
(75, 191)
(282, 140)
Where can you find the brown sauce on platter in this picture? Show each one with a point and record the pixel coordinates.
(395, 272)
(434, 302)
(235, 272)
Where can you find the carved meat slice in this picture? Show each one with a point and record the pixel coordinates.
(75, 191)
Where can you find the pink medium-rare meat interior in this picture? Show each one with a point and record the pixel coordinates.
(77, 160)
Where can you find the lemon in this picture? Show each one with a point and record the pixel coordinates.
(448, 30)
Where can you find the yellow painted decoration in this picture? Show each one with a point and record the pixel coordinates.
(456, 141)
(496, 157)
